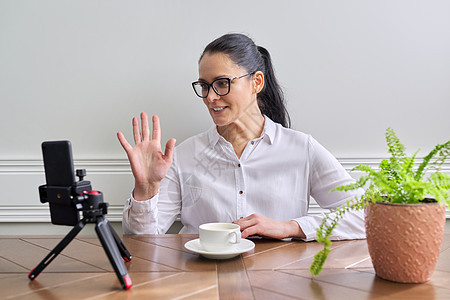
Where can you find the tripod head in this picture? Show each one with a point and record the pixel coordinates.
(65, 201)
(92, 205)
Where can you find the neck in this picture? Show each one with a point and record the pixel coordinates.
(241, 131)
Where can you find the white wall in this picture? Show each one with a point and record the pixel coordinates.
(79, 70)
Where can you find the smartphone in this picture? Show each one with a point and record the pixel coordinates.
(58, 163)
(60, 177)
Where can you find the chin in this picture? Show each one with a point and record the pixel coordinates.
(220, 121)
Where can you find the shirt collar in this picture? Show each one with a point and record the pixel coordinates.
(213, 136)
(269, 131)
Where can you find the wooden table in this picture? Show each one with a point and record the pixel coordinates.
(163, 269)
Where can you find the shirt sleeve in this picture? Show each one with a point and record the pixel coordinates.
(140, 217)
(155, 215)
(326, 173)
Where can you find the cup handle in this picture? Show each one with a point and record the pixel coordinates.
(237, 237)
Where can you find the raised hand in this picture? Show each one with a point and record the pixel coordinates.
(148, 163)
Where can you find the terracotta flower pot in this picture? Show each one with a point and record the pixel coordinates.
(404, 240)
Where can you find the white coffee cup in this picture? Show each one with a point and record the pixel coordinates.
(219, 237)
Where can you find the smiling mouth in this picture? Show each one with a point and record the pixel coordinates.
(217, 109)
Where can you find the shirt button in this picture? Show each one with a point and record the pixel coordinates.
(239, 165)
(253, 143)
(241, 192)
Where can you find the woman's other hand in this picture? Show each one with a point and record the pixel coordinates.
(261, 226)
(148, 163)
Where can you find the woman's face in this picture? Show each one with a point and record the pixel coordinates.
(240, 102)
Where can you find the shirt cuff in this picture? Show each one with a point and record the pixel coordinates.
(143, 206)
(308, 228)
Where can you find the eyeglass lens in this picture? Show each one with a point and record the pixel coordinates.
(221, 86)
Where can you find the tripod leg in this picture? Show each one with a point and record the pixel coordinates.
(123, 250)
(60, 247)
(109, 245)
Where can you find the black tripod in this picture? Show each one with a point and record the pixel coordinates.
(94, 211)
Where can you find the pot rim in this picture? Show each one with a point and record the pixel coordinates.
(406, 204)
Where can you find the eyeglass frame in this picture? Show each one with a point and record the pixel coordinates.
(211, 85)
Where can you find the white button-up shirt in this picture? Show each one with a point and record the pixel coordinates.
(275, 177)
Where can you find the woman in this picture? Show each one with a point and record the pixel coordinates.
(249, 168)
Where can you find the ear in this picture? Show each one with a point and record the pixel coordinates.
(258, 82)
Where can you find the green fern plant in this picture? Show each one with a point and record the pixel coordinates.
(397, 180)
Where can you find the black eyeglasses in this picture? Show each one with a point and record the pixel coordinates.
(221, 86)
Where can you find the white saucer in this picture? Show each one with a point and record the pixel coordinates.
(244, 246)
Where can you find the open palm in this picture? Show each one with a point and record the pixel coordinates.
(148, 163)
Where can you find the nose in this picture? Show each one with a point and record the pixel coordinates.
(212, 96)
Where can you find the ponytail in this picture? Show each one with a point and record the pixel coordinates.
(271, 99)
(243, 51)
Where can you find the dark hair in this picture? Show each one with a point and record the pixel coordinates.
(243, 51)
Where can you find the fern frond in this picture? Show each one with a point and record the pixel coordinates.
(360, 183)
(319, 260)
(443, 154)
(382, 179)
(443, 151)
(441, 180)
(325, 230)
(408, 164)
(439, 187)
(395, 147)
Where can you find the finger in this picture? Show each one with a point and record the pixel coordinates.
(156, 134)
(136, 131)
(247, 222)
(145, 127)
(170, 145)
(250, 231)
(123, 141)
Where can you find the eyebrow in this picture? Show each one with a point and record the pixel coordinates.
(215, 78)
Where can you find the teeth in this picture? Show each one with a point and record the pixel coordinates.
(218, 109)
